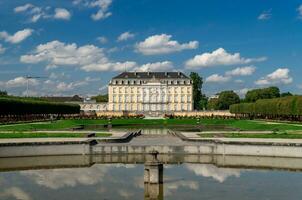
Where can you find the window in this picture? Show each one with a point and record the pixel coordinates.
(176, 98)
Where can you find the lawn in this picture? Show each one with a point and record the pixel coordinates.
(280, 135)
(47, 135)
(142, 123)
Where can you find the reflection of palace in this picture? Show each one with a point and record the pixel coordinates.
(150, 92)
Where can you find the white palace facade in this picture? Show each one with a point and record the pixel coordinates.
(150, 92)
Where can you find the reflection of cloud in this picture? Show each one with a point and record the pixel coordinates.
(183, 183)
(125, 193)
(219, 174)
(59, 178)
(170, 187)
(16, 193)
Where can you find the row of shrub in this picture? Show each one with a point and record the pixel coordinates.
(23, 106)
(285, 107)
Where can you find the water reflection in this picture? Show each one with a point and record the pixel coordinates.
(149, 177)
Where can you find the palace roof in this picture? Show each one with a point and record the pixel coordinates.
(150, 75)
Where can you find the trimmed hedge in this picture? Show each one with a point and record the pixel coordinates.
(23, 106)
(285, 106)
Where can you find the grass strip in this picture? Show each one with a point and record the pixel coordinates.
(48, 135)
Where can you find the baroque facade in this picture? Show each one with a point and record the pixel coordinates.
(145, 92)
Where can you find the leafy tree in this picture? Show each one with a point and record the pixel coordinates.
(3, 93)
(203, 103)
(264, 93)
(197, 85)
(286, 94)
(213, 104)
(227, 98)
(101, 98)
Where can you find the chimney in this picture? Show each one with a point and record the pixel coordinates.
(135, 73)
(166, 73)
(178, 73)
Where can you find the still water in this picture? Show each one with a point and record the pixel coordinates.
(84, 178)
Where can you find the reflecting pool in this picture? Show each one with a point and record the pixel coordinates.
(103, 177)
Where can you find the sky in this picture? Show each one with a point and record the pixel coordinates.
(77, 46)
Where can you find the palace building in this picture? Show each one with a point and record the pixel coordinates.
(150, 92)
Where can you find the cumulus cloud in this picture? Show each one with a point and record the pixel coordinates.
(280, 76)
(101, 5)
(20, 82)
(162, 44)
(36, 13)
(2, 49)
(125, 36)
(216, 78)
(218, 174)
(109, 66)
(241, 71)
(17, 37)
(299, 9)
(87, 57)
(265, 15)
(157, 66)
(62, 13)
(102, 39)
(242, 92)
(219, 57)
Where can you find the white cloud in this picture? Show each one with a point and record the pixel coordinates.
(265, 15)
(125, 36)
(216, 78)
(63, 87)
(2, 49)
(242, 71)
(299, 9)
(20, 82)
(162, 44)
(280, 76)
(109, 66)
(62, 13)
(101, 5)
(102, 39)
(239, 81)
(87, 57)
(219, 57)
(242, 92)
(218, 174)
(23, 8)
(157, 66)
(36, 13)
(17, 37)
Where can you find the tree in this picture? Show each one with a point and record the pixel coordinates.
(101, 98)
(203, 103)
(264, 93)
(227, 98)
(213, 104)
(286, 94)
(197, 85)
(3, 93)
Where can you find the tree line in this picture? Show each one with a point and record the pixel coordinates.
(223, 100)
(22, 106)
(289, 107)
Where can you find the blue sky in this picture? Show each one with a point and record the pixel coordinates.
(80, 44)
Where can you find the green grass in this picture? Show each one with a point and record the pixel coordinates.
(281, 135)
(141, 123)
(47, 135)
